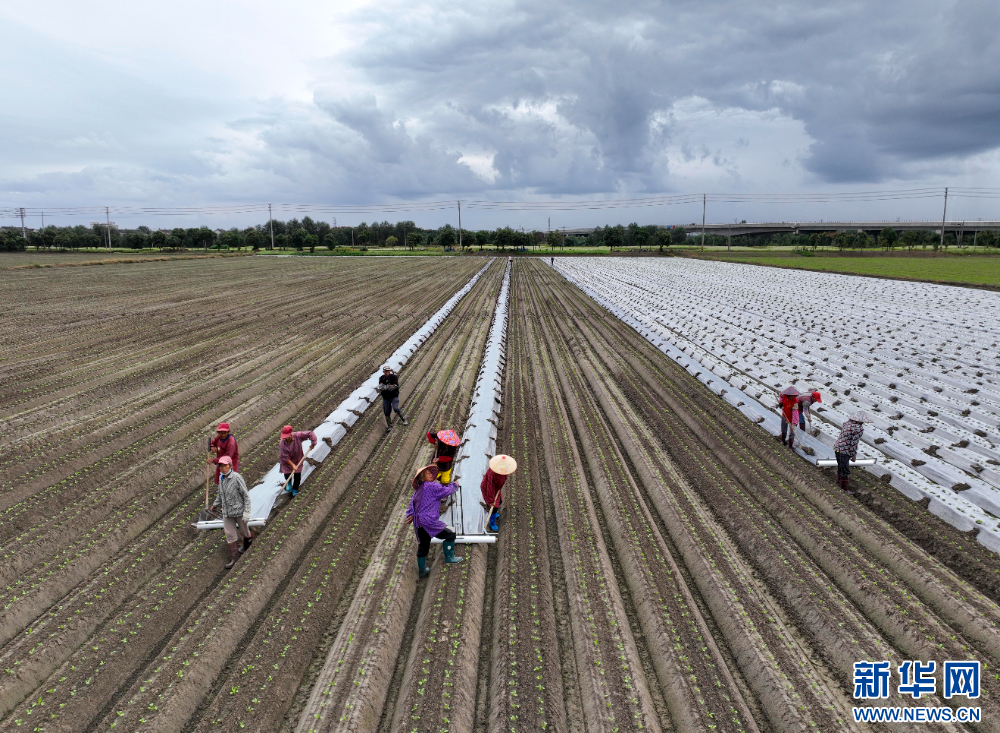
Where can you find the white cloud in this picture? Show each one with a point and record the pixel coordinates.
(361, 101)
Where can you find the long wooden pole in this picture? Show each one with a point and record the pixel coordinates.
(297, 467)
(208, 473)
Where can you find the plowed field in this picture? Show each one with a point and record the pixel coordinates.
(662, 564)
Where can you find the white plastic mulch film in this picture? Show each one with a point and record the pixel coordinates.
(920, 359)
(265, 492)
(479, 439)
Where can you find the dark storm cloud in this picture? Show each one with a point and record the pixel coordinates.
(509, 99)
(878, 85)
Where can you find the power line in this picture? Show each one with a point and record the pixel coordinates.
(487, 205)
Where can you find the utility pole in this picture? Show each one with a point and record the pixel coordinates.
(703, 200)
(352, 237)
(944, 215)
(729, 239)
(43, 219)
(270, 220)
(459, 226)
(24, 232)
(107, 218)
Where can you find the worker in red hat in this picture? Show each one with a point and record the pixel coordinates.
(806, 400)
(224, 444)
(291, 456)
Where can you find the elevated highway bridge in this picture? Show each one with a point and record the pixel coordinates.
(818, 227)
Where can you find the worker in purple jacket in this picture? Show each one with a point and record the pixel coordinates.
(424, 513)
(291, 456)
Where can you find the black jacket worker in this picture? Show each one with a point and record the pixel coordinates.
(388, 386)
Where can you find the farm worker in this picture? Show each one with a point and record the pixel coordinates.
(501, 467)
(291, 455)
(446, 444)
(224, 444)
(846, 447)
(424, 513)
(388, 386)
(805, 401)
(234, 501)
(786, 400)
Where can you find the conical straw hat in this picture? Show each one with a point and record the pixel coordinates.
(417, 477)
(503, 465)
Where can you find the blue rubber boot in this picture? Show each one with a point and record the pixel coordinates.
(422, 567)
(493, 521)
(449, 553)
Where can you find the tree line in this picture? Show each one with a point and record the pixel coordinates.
(308, 234)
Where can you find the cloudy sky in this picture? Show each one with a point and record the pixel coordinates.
(202, 103)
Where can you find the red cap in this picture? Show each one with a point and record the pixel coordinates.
(226, 460)
(286, 432)
(223, 427)
(817, 397)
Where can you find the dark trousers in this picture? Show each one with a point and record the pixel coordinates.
(843, 467)
(388, 406)
(425, 539)
(295, 481)
(784, 425)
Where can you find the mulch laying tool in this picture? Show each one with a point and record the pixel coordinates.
(205, 514)
(826, 462)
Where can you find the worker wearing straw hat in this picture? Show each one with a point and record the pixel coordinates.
(234, 502)
(501, 467)
(846, 447)
(224, 444)
(789, 405)
(424, 513)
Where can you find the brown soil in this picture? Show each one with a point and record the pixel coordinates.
(662, 563)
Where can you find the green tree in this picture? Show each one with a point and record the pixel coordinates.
(640, 237)
(888, 237)
(158, 239)
(311, 242)
(482, 239)
(910, 239)
(614, 237)
(446, 236)
(414, 239)
(299, 238)
(391, 241)
(661, 238)
(49, 237)
(678, 235)
(252, 237)
(843, 240)
(554, 239)
(504, 238)
(233, 239)
(322, 230)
